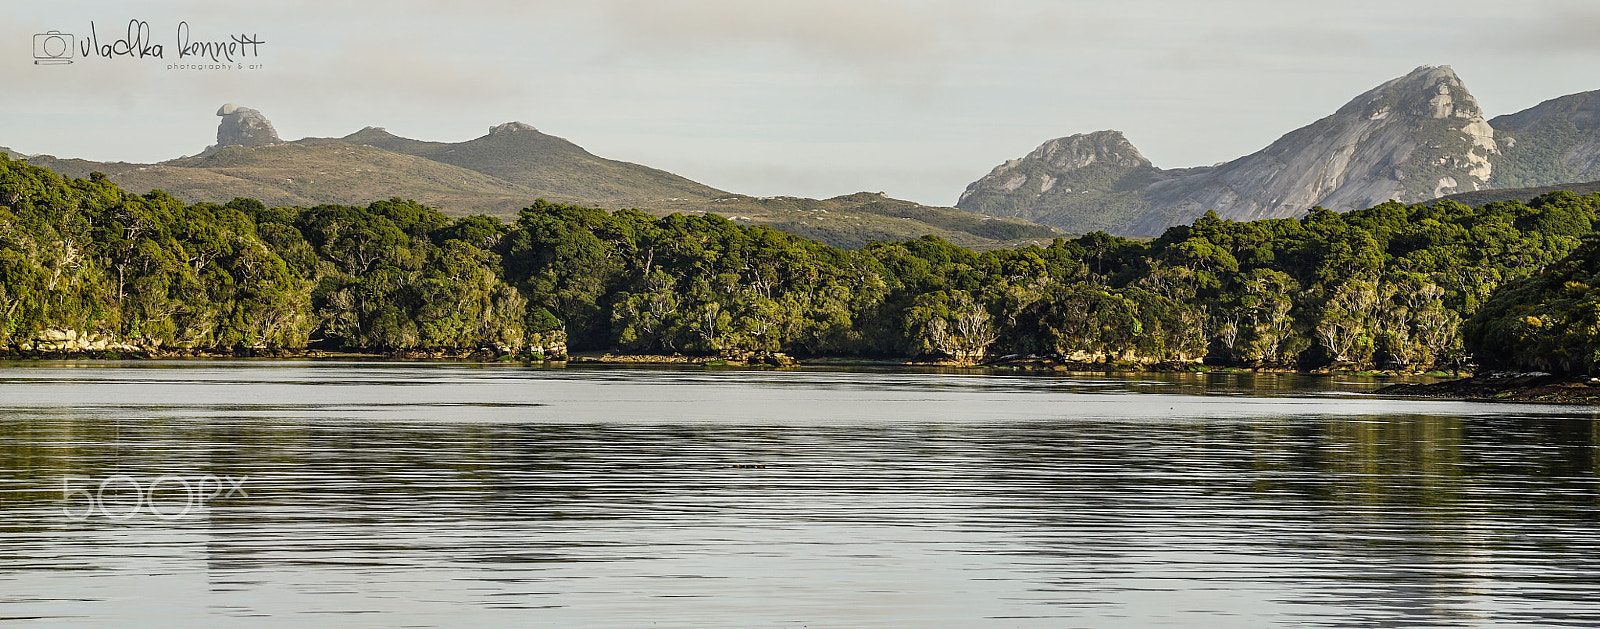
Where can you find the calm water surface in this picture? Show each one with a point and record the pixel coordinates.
(437, 495)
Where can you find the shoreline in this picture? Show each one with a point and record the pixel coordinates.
(1531, 388)
(754, 360)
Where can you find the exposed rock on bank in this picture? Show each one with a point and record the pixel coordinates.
(738, 359)
(61, 343)
(1507, 387)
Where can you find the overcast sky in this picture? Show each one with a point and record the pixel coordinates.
(808, 98)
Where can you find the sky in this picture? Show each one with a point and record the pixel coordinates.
(813, 98)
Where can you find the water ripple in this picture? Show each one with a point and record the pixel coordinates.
(389, 494)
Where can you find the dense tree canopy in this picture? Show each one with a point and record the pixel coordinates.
(1386, 286)
(1550, 322)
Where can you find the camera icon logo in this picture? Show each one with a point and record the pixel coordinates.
(53, 48)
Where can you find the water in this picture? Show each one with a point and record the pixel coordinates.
(438, 495)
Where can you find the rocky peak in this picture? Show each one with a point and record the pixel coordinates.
(1082, 150)
(861, 197)
(1411, 139)
(243, 126)
(1062, 158)
(511, 127)
(369, 135)
(1062, 176)
(1427, 92)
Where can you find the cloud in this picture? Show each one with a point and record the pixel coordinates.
(857, 31)
(1558, 27)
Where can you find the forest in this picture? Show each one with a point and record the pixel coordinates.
(1403, 287)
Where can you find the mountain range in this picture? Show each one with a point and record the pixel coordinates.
(1415, 138)
(504, 171)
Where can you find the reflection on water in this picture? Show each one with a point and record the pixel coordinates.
(389, 494)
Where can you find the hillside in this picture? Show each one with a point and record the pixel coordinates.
(1090, 182)
(1413, 138)
(1549, 322)
(852, 221)
(1554, 142)
(330, 171)
(551, 166)
(307, 174)
(1483, 197)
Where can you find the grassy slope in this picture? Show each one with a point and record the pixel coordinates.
(330, 171)
(1546, 145)
(852, 221)
(190, 184)
(309, 173)
(552, 165)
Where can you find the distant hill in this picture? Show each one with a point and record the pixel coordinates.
(851, 221)
(1554, 142)
(506, 170)
(549, 165)
(1483, 197)
(307, 174)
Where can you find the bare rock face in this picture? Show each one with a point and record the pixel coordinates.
(242, 126)
(1054, 161)
(511, 127)
(1090, 181)
(1411, 139)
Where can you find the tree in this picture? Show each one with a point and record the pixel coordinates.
(1349, 321)
(950, 324)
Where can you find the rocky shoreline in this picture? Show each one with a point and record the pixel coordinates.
(159, 353)
(752, 359)
(66, 344)
(1506, 387)
(728, 359)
